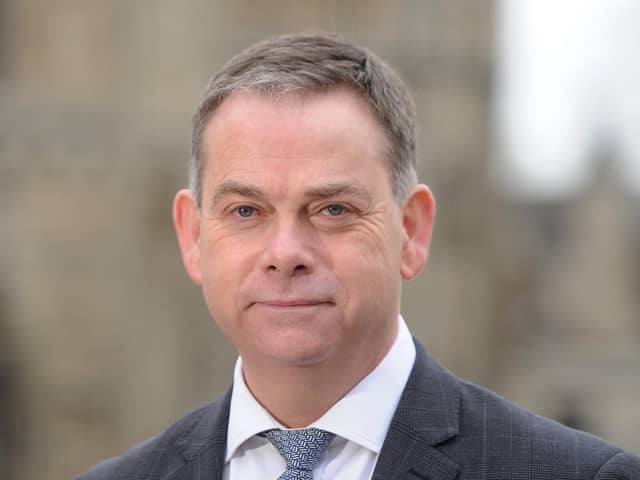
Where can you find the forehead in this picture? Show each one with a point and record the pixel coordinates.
(293, 130)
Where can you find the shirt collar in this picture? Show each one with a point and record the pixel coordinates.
(375, 396)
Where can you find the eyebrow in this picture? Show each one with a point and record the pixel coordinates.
(333, 189)
(329, 190)
(233, 187)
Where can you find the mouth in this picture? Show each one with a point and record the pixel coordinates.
(294, 304)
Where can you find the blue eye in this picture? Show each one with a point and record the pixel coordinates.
(335, 210)
(245, 211)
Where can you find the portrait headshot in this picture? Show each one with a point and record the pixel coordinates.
(333, 242)
(303, 217)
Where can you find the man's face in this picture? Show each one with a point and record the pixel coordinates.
(299, 239)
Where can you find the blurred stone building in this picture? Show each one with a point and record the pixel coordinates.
(103, 339)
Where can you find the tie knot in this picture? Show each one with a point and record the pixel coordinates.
(301, 449)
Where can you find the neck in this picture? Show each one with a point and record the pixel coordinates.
(296, 396)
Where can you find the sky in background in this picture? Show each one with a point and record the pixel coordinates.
(567, 95)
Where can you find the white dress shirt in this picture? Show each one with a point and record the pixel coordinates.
(359, 420)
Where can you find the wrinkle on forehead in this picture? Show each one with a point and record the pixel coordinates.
(291, 114)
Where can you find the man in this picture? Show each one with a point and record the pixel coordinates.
(303, 216)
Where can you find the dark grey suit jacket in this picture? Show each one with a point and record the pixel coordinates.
(443, 429)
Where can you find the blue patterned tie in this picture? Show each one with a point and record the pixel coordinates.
(301, 449)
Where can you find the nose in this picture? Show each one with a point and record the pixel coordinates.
(288, 249)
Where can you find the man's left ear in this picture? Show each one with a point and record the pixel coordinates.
(418, 215)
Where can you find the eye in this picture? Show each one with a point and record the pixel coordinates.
(245, 211)
(335, 210)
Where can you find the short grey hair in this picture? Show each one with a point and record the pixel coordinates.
(304, 63)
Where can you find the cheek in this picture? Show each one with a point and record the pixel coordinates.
(368, 267)
(225, 266)
(376, 249)
(225, 254)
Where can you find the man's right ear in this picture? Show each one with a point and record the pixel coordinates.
(186, 219)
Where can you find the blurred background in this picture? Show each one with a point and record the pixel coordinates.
(530, 139)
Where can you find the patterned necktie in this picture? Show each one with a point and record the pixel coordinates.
(301, 449)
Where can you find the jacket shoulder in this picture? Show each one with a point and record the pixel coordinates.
(164, 454)
(495, 433)
(621, 466)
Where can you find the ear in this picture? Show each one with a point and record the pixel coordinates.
(186, 219)
(418, 215)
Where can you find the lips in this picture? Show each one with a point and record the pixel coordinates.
(291, 303)
(290, 297)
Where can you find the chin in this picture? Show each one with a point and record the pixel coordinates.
(305, 354)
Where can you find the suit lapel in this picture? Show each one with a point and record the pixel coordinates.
(203, 446)
(428, 414)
